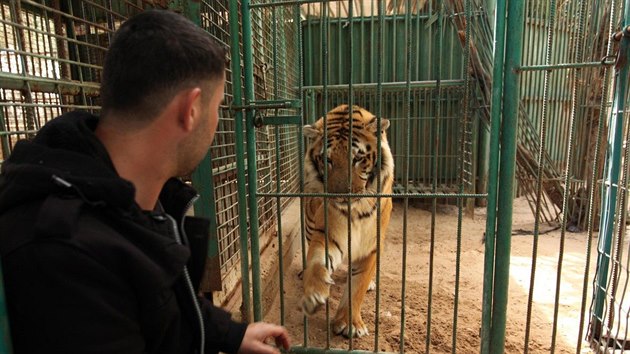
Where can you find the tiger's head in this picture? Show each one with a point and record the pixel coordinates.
(361, 164)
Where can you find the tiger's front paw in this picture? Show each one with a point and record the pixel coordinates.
(317, 283)
(359, 329)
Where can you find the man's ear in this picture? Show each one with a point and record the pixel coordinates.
(190, 108)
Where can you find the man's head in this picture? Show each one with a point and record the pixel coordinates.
(152, 57)
(164, 76)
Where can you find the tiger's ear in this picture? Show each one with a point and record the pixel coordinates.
(372, 124)
(310, 131)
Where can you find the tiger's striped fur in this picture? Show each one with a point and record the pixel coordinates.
(363, 214)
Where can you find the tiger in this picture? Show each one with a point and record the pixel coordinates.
(317, 275)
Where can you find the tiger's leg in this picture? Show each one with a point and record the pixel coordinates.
(362, 273)
(317, 277)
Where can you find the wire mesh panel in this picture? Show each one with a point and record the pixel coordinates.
(51, 60)
(609, 310)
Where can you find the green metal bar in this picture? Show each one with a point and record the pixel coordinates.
(274, 21)
(203, 180)
(514, 38)
(460, 201)
(393, 85)
(31, 120)
(376, 195)
(293, 2)
(576, 79)
(237, 99)
(270, 104)
(282, 120)
(380, 39)
(72, 33)
(251, 157)
(609, 194)
(617, 249)
(548, 67)
(306, 350)
(300, 138)
(47, 57)
(539, 173)
(436, 133)
(407, 115)
(325, 78)
(308, 49)
(350, 133)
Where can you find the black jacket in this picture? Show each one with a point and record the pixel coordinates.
(85, 269)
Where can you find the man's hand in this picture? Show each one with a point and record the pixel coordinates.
(256, 336)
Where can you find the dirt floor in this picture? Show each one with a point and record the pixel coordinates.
(441, 304)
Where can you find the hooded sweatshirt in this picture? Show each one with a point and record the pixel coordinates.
(85, 269)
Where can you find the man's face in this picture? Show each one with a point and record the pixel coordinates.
(193, 149)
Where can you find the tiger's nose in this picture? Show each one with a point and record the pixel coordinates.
(338, 186)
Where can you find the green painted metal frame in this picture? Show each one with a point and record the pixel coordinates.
(406, 85)
(493, 169)
(611, 178)
(237, 95)
(512, 47)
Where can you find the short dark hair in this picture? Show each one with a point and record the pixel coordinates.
(152, 56)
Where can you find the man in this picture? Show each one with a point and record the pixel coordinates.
(95, 246)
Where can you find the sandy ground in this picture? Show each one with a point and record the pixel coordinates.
(436, 313)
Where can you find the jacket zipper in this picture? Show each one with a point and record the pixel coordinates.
(178, 238)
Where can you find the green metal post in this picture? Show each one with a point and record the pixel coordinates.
(237, 100)
(493, 171)
(513, 50)
(611, 179)
(206, 205)
(251, 156)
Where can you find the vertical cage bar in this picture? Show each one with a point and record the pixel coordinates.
(300, 49)
(237, 100)
(542, 144)
(274, 40)
(325, 79)
(514, 48)
(407, 115)
(464, 126)
(250, 133)
(351, 328)
(379, 188)
(436, 96)
(575, 77)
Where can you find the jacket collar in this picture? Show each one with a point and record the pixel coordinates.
(67, 158)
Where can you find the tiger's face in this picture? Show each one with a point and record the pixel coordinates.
(342, 157)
